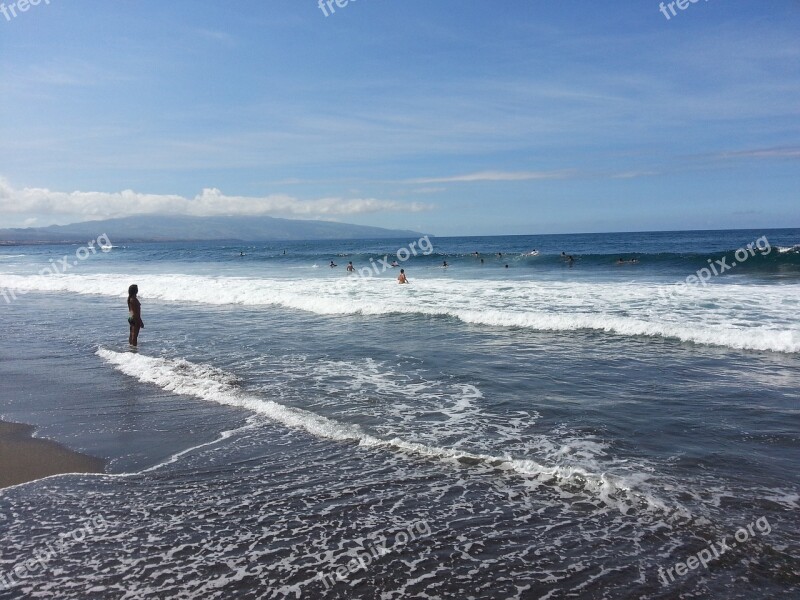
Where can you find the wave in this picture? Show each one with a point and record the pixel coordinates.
(744, 317)
(780, 259)
(206, 382)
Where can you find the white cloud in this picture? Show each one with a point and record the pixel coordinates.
(218, 36)
(494, 176)
(784, 152)
(210, 202)
(634, 174)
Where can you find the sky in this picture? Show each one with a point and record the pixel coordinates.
(452, 117)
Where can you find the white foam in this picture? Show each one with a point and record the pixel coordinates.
(747, 317)
(208, 383)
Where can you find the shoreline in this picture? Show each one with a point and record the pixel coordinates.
(24, 458)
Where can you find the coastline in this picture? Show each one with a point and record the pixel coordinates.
(25, 458)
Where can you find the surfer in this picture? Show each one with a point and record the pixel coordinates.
(402, 277)
(350, 267)
(444, 265)
(134, 315)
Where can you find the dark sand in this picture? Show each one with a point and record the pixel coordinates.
(23, 458)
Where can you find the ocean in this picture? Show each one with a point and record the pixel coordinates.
(618, 421)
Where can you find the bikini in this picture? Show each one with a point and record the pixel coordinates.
(131, 316)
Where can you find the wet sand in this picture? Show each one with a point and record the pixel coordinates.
(23, 458)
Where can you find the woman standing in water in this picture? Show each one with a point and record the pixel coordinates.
(134, 315)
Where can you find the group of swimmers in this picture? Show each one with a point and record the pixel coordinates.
(135, 307)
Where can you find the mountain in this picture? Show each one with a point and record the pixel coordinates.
(178, 228)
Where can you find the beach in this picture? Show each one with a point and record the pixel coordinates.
(287, 429)
(27, 459)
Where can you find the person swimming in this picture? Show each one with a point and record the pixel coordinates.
(333, 264)
(394, 264)
(402, 277)
(445, 265)
(350, 267)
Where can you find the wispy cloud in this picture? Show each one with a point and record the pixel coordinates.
(428, 190)
(218, 36)
(783, 152)
(210, 202)
(494, 176)
(634, 174)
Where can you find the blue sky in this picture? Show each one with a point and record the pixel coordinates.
(468, 117)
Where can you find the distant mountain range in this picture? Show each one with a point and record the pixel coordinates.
(152, 228)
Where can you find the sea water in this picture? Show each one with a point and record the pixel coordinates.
(517, 424)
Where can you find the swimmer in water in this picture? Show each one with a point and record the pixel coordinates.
(333, 264)
(444, 265)
(402, 277)
(350, 267)
(394, 264)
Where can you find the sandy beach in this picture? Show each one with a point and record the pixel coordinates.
(24, 458)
